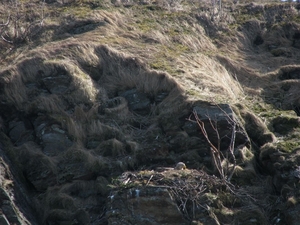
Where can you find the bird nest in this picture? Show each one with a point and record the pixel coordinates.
(193, 191)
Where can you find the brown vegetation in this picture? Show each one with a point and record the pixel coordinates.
(92, 89)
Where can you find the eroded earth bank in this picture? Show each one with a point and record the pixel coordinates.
(100, 100)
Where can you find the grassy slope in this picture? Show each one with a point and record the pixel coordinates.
(207, 55)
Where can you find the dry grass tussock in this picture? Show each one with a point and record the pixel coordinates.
(112, 147)
(82, 87)
(247, 78)
(37, 72)
(59, 202)
(47, 104)
(14, 89)
(30, 157)
(78, 154)
(210, 79)
(196, 44)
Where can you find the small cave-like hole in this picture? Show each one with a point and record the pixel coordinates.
(296, 35)
(297, 110)
(258, 40)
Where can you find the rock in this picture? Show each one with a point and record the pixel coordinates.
(143, 205)
(16, 129)
(18, 132)
(218, 121)
(137, 101)
(56, 84)
(160, 97)
(54, 143)
(65, 1)
(52, 137)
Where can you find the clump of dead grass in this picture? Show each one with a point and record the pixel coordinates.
(23, 20)
(46, 104)
(111, 147)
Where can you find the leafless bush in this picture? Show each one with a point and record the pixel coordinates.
(20, 21)
(217, 155)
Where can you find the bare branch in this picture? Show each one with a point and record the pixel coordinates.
(231, 150)
(216, 153)
(233, 124)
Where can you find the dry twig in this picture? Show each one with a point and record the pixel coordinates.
(216, 152)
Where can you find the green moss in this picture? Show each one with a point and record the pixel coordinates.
(146, 24)
(289, 145)
(82, 8)
(163, 60)
(79, 11)
(161, 65)
(265, 110)
(192, 92)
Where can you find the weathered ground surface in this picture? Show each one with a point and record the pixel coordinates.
(100, 100)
